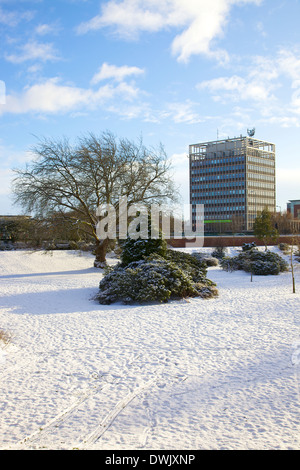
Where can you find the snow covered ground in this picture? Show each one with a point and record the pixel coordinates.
(219, 374)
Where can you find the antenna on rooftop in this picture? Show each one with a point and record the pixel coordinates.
(251, 132)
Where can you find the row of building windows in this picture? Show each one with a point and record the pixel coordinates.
(259, 184)
(262, 202)
(223, 210)
(261, 153)
(259, 194)
(233, 169)
(261, 161)
(218, 169)
(217, 161)
(220, 193)
(220, 156)
(218, 185)
(220, 202)
(256, 176)
(220, 177)
(261, 169)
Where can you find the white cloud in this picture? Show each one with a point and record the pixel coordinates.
(264, 85)
(183, 112)
(53, 97)
(107, 71)
(289, 63)
(13, 18)
(2, 92)
(237, 88)
(33, 50)
(284, 121)
(295, 101)
(43, 29)
(199, 22)
(130, 17)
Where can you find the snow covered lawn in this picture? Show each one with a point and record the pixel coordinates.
(205, 374)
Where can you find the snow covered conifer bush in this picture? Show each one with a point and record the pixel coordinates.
(148, 271)
(135, 250)
(285, 247)
(257, 262)
(248, 246)
(219, 252)
(156, 278)
(195, 267)
(207, 259)
(230, 264)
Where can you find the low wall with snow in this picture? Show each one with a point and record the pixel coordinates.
(230, 240)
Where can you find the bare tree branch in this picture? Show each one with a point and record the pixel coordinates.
(74, 180)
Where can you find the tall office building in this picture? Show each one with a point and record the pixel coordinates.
(233, 179)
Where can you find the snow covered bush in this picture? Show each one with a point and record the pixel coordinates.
(248, 246)
(285, 247)
(255, 261)
(195, 268)
(230, 264)
(156, 278)
(136, 250)
(219, 252)
(6, 246)
(148, 271)
(205, 258)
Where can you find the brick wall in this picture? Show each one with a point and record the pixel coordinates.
(235, 241)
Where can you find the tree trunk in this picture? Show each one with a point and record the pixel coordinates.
(292, 269)
(100, 253)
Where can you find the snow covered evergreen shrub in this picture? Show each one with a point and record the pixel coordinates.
(230, 264)
(285, 247)
(248, 246)
(148, 271)
(206, 258)
(6, 246)
(136, 250)
(211, 261)
(155, 279)
(264, 267)
(219, 252)
(255, 261)
(196, 268)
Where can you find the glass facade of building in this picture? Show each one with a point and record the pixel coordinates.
(233, 179)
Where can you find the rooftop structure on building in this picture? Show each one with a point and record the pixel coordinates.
(234, 179)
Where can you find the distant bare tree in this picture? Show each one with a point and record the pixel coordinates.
(237, 224)
(73, 180)
(283, 222)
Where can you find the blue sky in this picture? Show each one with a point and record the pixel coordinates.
(176, 72)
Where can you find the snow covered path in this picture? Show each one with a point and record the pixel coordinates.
(206, 374)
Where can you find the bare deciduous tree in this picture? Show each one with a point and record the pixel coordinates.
(74, 180)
